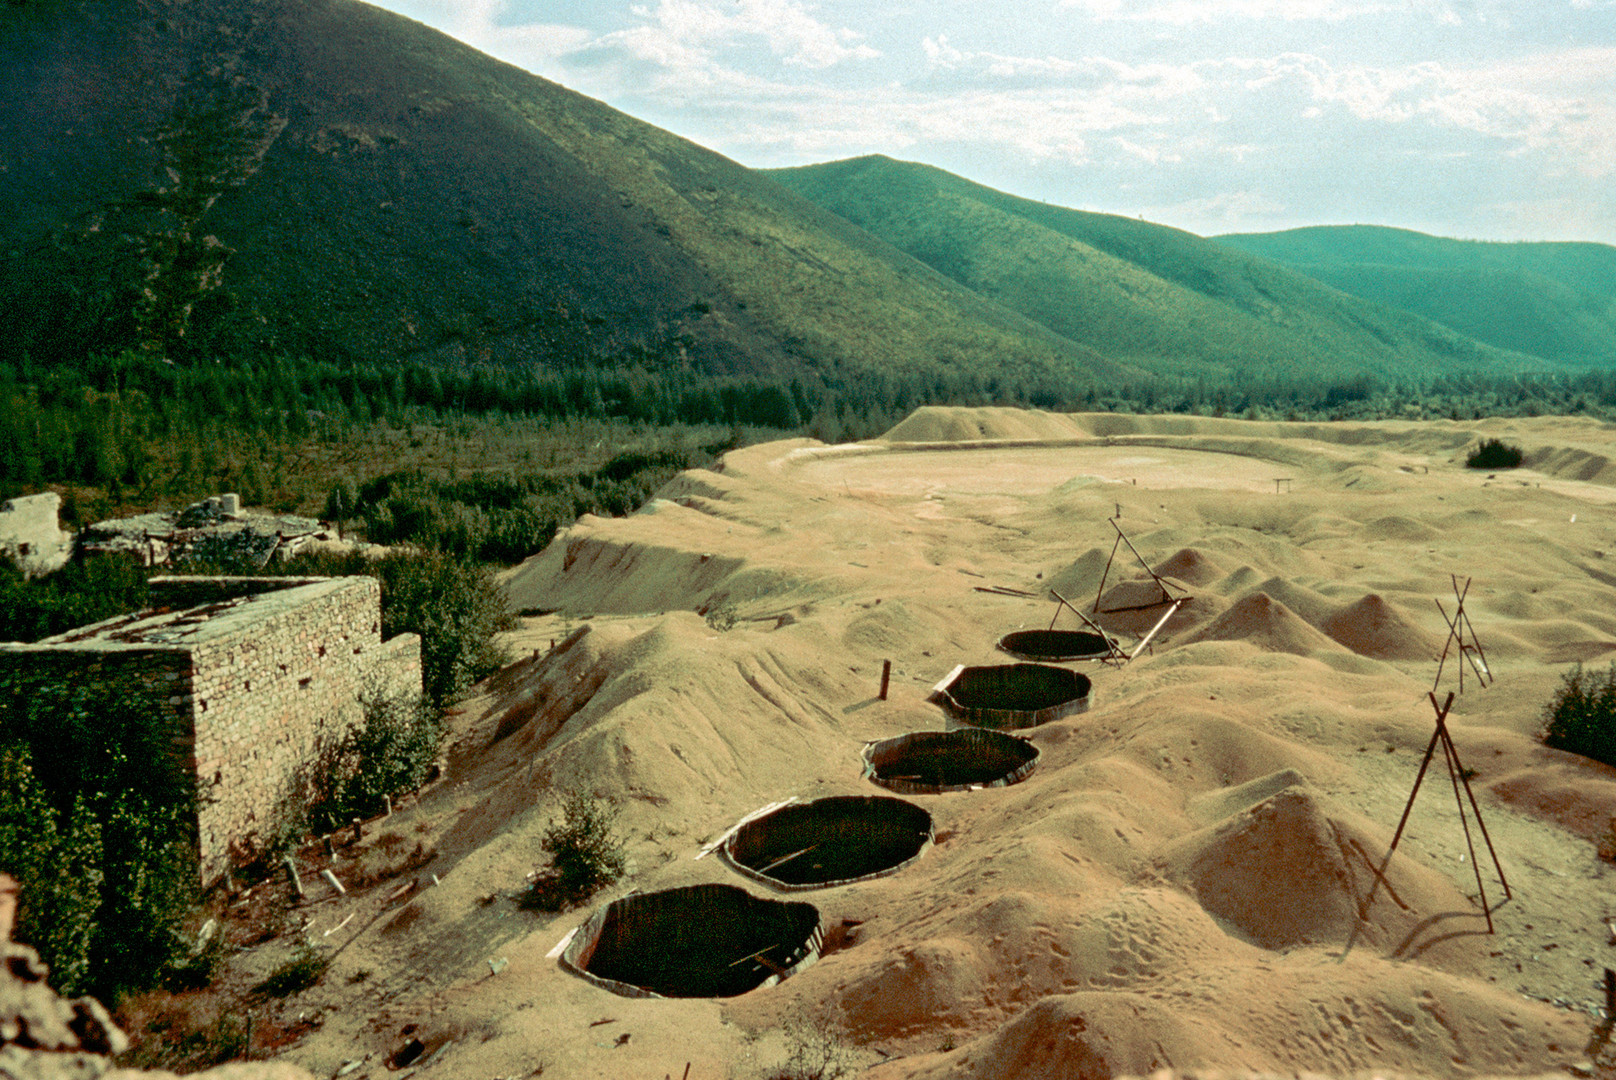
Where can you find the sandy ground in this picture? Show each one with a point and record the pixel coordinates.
(1177, 885)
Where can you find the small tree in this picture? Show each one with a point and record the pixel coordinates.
(585, 854)
(1581, 717)
(1494, 454)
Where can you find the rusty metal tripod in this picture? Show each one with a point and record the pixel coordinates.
(1469, 651)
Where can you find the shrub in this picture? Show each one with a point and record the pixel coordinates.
(97, 823)
(391, 751)
(1581, 717)
(1494, 454)
(585, 855)
(297, 973)
(814, 1051)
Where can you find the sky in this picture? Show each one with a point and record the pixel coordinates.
(1477, 119)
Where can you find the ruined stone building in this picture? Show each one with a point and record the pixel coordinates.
(31, 535)
(255, 675)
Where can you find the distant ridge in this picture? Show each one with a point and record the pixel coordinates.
(324, 178)
(1554, 301)
(1141, 293)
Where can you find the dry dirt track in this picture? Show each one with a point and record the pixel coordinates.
(1175, 885)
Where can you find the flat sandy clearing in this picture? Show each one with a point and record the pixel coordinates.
(1184, 878)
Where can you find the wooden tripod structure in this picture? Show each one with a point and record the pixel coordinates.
(1462, 635)
(1114, 654)
(1172, 603)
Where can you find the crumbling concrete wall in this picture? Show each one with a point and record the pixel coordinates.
(254, 681)
(31, 535)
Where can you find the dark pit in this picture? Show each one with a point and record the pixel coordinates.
(696, 941)
(1055, 645)
(932, 762)
(830, 841)
(1010, 696)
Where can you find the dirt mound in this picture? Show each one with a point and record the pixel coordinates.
(1078, 579)
(1293, 869)
(1397, 527)
(948, 424)
(1372, 1016)
(1191, 566)
(1312, 606)
(1373, 627)
(1265, 622)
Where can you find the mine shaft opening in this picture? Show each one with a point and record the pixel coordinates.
(1056, 645)
(932, 762)
(1010, 696)
(693, 942)
(830, 841)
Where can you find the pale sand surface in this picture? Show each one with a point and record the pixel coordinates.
(1176, 883)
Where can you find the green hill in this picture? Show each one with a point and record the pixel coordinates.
(320, 177)
(1143, 294)
(1555, 301)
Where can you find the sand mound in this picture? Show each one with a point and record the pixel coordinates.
(1191, 566)
(1373, 627)
(1312, 606)
(1265, 622)
(1374, 1019)
(947, 424)
(1397, 527)
(1089, 1036)
(1078, 579)
(1293, 869)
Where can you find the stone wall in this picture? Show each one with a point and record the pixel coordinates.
(266, 701)
(254, 686)
(31, 535)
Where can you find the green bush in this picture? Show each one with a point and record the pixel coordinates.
(1581, 717)
(97, 823)
(297, 973)
(585, 855)
(391, 751)
(1494, 454)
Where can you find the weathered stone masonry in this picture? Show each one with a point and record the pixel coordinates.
(255, 684)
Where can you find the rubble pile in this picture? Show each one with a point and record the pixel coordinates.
(213, 530)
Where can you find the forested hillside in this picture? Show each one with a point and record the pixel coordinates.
(238, 178)
(1553, 301)
(1149, 295)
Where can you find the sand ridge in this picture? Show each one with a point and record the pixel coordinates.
(1177, 882)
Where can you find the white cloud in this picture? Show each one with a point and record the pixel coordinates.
(1189, 12)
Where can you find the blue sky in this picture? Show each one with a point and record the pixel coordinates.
(1482, 119)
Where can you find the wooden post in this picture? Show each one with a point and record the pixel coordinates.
(358, 829)
(387, 801)
(886, 677)
(331, 880)
(291, 871)
(330, 846)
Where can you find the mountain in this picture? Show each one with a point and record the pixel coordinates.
(1555, 301)
(1140, 293)
(324, 178)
